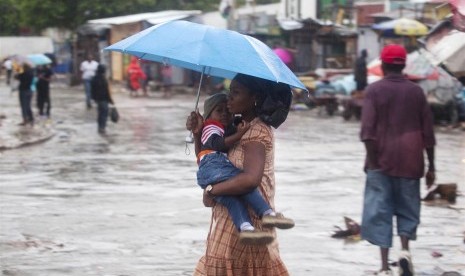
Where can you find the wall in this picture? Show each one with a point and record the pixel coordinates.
(368, 39)
(118, 61)
(298, 9)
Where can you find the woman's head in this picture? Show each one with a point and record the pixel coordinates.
(242, 96)
(252, 97)
(26, 66)
(100, 69)
(215, 109)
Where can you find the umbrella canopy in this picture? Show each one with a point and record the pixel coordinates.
(32, 60)
(20, 59)
(402, 27)
(212, 51)
(39, 59)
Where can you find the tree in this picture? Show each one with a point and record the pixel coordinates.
(69, 14)
(34, 16)
(9, 17)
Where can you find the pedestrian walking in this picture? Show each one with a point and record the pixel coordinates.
(100, 91)
(254, 154)
(136, 76)
(396, 129)
(360, 71)
(218, 135)
(44, 75)
(88, 68)
(25, 77)
(8, 65)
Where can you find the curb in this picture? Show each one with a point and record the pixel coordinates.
(13, 136)
(27, 143)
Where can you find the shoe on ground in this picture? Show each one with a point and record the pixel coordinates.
(278, 221)
(385, 273)
(405, 264)
(255, 237)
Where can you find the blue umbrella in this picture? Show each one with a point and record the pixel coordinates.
(39, 59)
(212, 51)
(209, 50)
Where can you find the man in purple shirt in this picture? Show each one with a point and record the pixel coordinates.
(396, 128)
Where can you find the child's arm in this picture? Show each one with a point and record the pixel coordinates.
(230, 140)
(194, 123)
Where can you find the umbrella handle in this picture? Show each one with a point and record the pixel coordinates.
(190, 138)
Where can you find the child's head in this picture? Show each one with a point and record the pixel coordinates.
(215, 108)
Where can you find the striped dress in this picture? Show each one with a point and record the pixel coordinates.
(225, 256)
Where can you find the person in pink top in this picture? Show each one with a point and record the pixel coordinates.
(396, 129)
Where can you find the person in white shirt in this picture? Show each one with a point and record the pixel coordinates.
(8, 65)
(88, 69)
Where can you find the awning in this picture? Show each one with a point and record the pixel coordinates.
(93, 29)
(159, 17)
(290, 24)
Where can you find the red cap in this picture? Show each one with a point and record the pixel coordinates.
(394, 54)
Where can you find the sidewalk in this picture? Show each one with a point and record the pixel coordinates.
(13, 135)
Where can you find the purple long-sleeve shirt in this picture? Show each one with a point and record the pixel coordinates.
(396, 116)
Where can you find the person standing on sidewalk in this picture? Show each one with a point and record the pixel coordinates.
(100, 91)
(25, 77)
(44, 74)
(396, 128)
(88, 68)
(8, 65)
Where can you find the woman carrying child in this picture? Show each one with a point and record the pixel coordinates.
(254, 156)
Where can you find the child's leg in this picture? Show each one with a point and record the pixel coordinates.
(237, 211)
(263, 209)
(257, 202)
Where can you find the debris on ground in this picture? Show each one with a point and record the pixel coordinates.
(352, 230)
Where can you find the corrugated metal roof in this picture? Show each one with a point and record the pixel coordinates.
(159, 17)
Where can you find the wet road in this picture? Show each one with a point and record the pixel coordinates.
(127, 203)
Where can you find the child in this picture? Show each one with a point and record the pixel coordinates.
(214, 167)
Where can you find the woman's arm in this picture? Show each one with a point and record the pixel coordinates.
(250, 178)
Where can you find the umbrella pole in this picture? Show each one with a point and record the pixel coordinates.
(198, 90)
(190, 139)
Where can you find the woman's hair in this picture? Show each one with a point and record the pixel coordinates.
(254, 85)
(100, 69)
(273, 98)
(26, 66)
